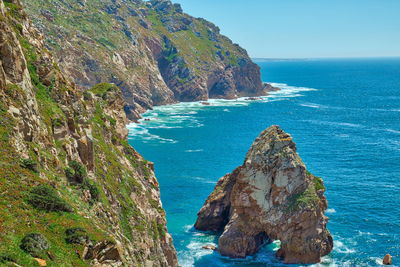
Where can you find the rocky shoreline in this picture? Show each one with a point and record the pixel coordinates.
(143, 48)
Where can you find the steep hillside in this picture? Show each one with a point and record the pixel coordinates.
(152, 50)
(73, 192)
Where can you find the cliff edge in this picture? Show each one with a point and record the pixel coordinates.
(270, 197)
(73, 191)
(152, 50)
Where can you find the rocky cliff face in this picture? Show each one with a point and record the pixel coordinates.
(152, 50)
(73, 192)
(270, 197)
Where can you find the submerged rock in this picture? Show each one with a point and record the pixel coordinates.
(270, 197)
(209, 247)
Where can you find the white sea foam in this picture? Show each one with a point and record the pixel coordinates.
(194, 150)
(182, 114)
(333, 123)
(310, 105)
(137, 130)
(340, 247)
(331, 211)
(392, 131)
(342, 135)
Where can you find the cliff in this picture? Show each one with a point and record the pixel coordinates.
(152, 50)
(270, 197)
(73, 191)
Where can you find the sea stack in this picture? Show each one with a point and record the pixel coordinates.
(270, 197)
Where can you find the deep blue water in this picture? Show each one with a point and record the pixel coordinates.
(344, 116)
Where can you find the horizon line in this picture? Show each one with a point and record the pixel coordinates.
(311, 58)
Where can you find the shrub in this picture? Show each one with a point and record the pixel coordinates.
(102, 89)
(29, 164)
(76, 236)
(35, 244)
(44, 197)
(4, 258)
(76, 172)
(57, 122)
(318, 183)
(94, 191)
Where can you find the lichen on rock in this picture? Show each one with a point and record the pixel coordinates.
(270, 197)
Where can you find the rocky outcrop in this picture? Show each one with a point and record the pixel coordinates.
(387, 260)
(65, 164)
(270, 197)
(152, 50)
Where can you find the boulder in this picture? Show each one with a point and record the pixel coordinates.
(103, 251)
(270, 197)
(387, 260)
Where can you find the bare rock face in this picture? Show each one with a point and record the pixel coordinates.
(270, 197)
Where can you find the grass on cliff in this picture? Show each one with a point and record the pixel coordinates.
(308, 198)
(112, 174)
(18, 217)
(17, 178)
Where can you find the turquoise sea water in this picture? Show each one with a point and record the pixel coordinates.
(344, 116)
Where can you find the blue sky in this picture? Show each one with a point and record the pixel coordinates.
(306, 28)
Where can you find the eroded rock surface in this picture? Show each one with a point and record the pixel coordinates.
(51, 132)
(270, 197)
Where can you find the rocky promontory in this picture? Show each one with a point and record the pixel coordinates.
(270, 197)
(152, 50)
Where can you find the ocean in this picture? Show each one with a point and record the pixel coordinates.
(344, 115)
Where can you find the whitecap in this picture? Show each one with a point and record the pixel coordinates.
(340, 247)
(332, 123)
(187, 228)
(194, 150)
(392, 131)
(136, 130)
(310, 105)
(331, 211)
(342, 135)
(182, 114)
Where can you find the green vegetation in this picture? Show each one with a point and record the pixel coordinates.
(44, 197)
(29, 164)
(318, 182)
(41, 214)
(4, 258)
(35, 244)
(102, 89)
(76, 236)
(305, 200)
(93, 190)
(76, 172)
